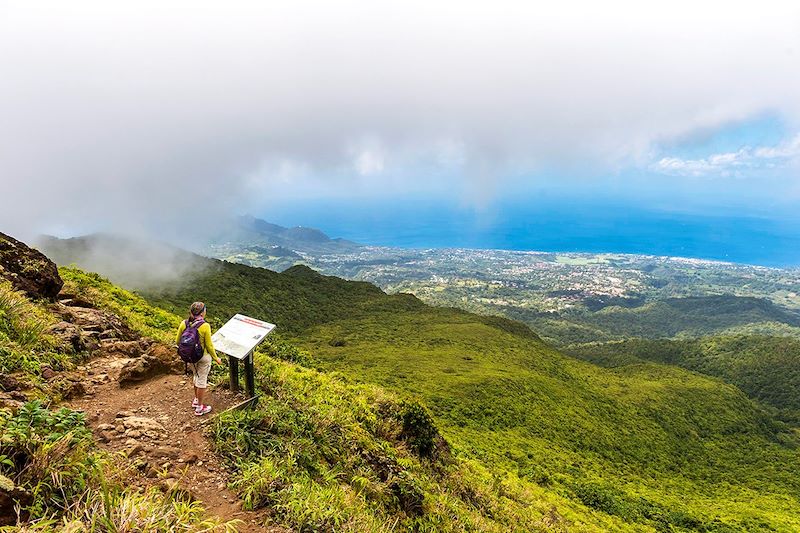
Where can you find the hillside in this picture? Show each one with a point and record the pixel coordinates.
(644, 446)
(691, 316)
(624, 441)
(174, 278)
(318, 453)
(247, 239)
(767, 369)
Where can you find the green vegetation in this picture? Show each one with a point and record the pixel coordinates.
(294, 299)
(639, 435)
(618, 319)
(48, 459)
(24, 344)
(325, 455)
(765, 368)
(647, 445)
(63, 483)
(692, 316)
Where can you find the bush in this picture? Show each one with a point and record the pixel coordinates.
(419, 428)
(47, 454)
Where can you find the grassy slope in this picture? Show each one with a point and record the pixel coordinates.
(765, 368)
(325, 454)
(681, 442)
(647, 443)
(293, 300)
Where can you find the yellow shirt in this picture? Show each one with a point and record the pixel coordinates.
(204, 332)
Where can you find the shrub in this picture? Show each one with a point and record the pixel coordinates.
(419, 429)
(47, 453)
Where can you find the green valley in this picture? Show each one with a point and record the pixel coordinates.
(765, 368)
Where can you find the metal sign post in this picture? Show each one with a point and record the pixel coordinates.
(238, 339)
(249, 374)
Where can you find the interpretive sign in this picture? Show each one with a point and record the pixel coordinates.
(240, 335)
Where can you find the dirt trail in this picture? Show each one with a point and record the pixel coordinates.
(153, 423)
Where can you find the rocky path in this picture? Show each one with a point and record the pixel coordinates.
(153, 424)
(138, 402)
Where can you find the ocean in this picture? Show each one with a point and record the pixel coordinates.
(585, 227)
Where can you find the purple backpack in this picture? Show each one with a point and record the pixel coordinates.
(189, 347)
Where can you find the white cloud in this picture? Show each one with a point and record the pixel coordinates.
(127, 102)
(732, 163)
(787, 150)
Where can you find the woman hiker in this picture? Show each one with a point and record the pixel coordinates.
(195, 347)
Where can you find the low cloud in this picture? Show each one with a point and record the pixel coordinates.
(165, 117)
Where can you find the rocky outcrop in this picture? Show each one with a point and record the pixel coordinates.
(69, 336)
(157, 360)
(10, 383)
(95, 324)
(28, 270)
(126, 348)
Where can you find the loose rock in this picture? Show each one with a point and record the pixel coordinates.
(165, 452)
(47, 372)
(146, 425)
(8, 402)
(133, 447)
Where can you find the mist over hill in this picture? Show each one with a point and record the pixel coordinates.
(249, 230)
(131, 262)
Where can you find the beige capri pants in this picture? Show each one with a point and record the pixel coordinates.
(200, 371)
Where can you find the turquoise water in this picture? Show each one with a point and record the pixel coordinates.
(760, 240)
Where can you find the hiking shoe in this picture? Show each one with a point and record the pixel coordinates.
(195, 403)
(202, 410)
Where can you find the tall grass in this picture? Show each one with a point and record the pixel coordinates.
(19, 320)
(68, 485)
(24, 343)
(128, 511)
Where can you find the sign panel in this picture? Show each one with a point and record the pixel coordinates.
(240, 335)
